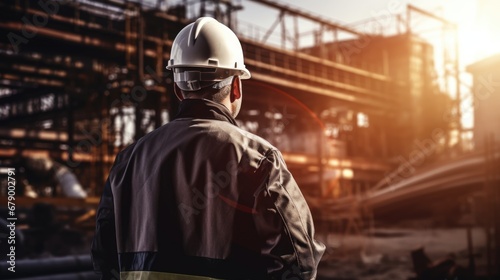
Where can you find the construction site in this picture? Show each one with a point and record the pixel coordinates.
(368, 117)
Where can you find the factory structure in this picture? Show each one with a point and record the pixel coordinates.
(368, 121)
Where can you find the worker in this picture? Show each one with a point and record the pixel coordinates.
(200, 198)
(46, 176)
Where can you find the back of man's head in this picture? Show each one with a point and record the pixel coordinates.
(205, 57)
(210, 93)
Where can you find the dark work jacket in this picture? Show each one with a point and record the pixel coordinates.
(200, 196)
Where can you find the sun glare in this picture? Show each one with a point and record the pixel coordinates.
(478, 38)
(477, 43)
(478, 28)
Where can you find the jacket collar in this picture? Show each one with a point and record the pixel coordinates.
(204, 109)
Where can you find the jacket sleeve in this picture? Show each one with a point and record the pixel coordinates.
(285, 224)
(104, 249)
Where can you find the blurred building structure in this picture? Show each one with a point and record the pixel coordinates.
(486, 102)
(486, 93)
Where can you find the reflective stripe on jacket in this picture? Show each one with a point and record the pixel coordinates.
(154, 275)
(200, 196)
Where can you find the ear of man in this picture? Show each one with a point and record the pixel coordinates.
(235, 89)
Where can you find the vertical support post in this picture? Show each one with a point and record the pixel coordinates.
(70, 121)
(139, 72)
(458, 96)
(336, 51)
(296, 44)
(159, 66)
(321, 167)
(283, 31)
(319, 41)
(408, 19)
(104, 124)
(127, 39)
(445, 58)
(398, 20)
(70, 128)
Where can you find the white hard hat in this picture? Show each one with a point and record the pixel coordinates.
(205, 52)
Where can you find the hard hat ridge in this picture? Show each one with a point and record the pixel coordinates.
(194, 31)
